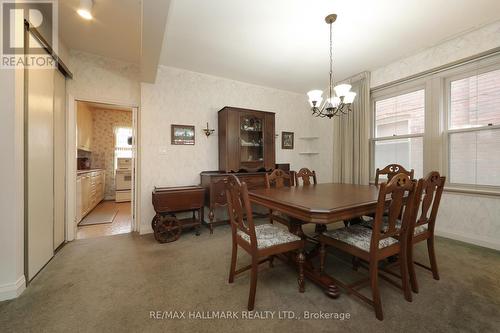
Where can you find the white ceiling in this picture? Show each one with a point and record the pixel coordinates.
(115, 31)
(284, 43)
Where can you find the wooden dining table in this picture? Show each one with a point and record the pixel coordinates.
(320, 204)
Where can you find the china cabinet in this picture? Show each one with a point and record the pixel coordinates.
(246, 140)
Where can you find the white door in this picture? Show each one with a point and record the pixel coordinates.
(39, 133)
(59, 158)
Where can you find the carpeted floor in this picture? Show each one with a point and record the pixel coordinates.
(113, 283)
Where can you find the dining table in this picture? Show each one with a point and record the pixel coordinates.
(320, 204)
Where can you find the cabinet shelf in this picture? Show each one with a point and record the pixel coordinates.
(251, 131)
(308, 153)
(251, 145)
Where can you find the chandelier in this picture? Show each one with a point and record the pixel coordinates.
(338, 103)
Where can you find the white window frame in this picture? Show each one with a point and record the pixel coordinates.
(389, 93)
(437, 106)
(458, 74)
(115, 148)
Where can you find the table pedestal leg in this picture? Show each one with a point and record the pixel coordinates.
(321, 279)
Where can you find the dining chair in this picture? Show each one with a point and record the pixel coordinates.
(279, 179)
(305, 175)
(379, 243)
(390, 171)
(427, 199)
(308, 177)
(262, 242)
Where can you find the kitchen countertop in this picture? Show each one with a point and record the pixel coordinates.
(81, 172)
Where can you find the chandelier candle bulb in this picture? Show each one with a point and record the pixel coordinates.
(349, 97)
(342, 89)
(315, 97)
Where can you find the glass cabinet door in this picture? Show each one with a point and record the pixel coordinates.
(251, 140)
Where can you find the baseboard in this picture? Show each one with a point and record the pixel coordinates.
(484, 242)
(12, 290)
(145, 229)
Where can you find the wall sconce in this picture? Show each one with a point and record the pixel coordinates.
(208, 131)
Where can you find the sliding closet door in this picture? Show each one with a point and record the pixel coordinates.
(59, 158)
(39, 135)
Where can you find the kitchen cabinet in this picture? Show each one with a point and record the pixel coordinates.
(92, 192)
(84, 127)
(85, 195)
(79, 204)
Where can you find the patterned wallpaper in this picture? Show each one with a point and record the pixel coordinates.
(103, 143)
(170, 101)
(102, 79)
(469, 44)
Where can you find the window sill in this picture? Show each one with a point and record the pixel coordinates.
(473, 191)
(465, 190)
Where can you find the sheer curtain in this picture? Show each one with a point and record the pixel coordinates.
(351, 133)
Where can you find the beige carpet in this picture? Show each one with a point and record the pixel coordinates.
(102, 213)
(112, 284)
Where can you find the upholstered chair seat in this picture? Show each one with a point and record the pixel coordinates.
(358, 236)
(270, 235)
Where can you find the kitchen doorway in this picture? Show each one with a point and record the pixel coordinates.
(104, 170)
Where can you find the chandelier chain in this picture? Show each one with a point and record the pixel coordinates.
(331, 62)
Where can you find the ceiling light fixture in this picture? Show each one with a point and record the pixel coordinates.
(85, 9)
(338, 103)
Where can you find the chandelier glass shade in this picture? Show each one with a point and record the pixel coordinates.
(339, 98)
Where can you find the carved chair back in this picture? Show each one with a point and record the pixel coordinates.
(306, 175)
(401, 190)
(279, 178)
(428, 196)
(390, 171)
(239, 209)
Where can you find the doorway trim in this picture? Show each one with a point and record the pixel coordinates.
(71, 148)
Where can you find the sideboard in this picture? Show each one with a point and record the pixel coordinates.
(215, 195)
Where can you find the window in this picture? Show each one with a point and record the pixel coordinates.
(123, 143)
(399, 130)
(474, 129)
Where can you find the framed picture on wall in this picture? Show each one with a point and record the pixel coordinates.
(182, 134)
(286, 140)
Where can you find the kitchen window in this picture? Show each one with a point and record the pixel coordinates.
(473, 128)
(123, 143)
(399, 130)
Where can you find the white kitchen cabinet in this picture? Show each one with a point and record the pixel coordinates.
(85, 194)
(79, 203)
(84, 127)
(92, 192)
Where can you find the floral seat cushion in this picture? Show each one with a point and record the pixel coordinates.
(270, 235)
(418, 230)
(358, 236)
